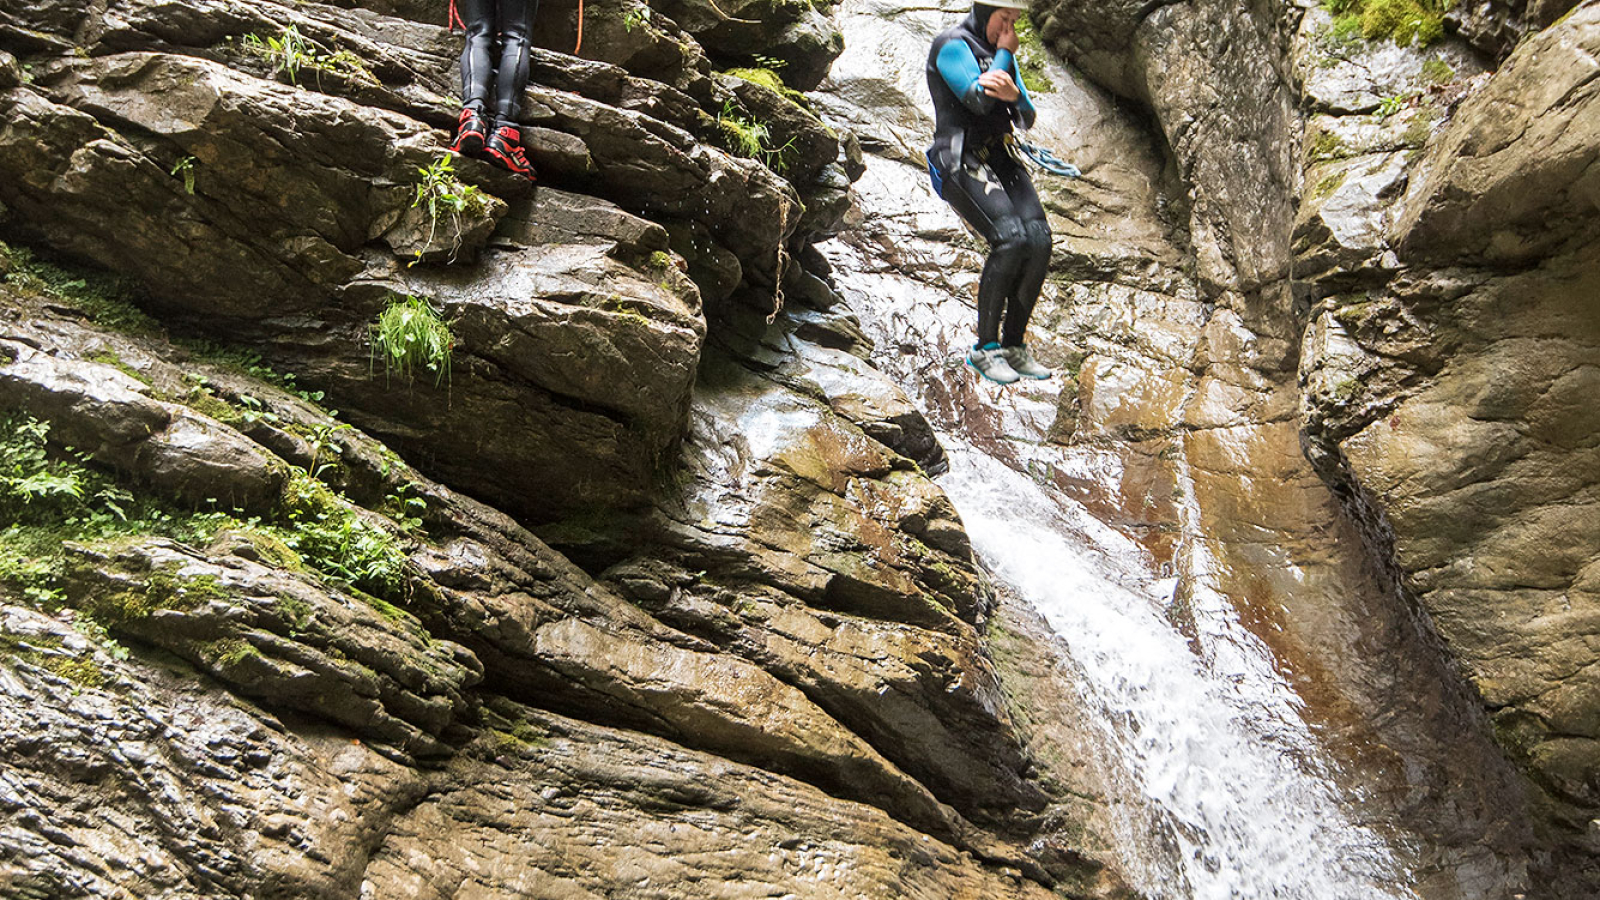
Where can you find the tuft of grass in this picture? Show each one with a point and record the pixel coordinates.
(411, 337)
(749, 138)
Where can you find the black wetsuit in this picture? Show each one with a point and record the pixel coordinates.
(983, 180)
(496, 28)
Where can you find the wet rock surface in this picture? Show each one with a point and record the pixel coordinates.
(1269, 176)
(280, 650)
(654, 593)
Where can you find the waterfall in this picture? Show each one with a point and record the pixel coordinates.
(1225, 792)
(1231, 799)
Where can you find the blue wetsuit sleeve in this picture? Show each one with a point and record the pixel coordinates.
(1004, 60)
(959, 68)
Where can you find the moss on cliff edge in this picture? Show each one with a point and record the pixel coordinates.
(1403, 21)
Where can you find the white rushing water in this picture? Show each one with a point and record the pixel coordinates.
(1231, 802)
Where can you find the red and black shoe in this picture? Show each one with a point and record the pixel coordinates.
(505, 149)
(472, 132)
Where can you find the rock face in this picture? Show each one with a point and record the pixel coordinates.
(637, 581)
(1370, 393)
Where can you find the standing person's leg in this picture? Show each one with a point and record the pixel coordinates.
(985, 206)
(477, 75)
(505, 143)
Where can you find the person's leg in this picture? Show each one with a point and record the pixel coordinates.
(477, 76)
(988, 210)
(477, 57)
(516, 20)
(1034, 254)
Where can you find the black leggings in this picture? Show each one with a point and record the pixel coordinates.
(485, 86)
(1009, 217)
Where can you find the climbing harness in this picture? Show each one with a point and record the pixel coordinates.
(1045, 159)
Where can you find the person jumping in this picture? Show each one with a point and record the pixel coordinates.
(491, 92)
(978, 95)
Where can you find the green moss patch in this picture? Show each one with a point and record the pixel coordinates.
(1403, 21)
(50, 653)
(1032, 58)
(111, 301)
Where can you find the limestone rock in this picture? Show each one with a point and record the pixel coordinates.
(1515, 175)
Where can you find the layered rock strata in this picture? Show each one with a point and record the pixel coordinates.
(274, 649)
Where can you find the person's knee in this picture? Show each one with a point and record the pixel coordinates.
(1010, 238)
(1037, 238)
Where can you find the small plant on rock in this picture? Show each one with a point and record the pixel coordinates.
(288, 52)
(749, 138)
(291, 51)
(1388, 106)
(184, 168)
(441, 194)
(637, 17)
(410, 337)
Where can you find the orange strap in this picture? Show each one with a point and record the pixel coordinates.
(579, 45)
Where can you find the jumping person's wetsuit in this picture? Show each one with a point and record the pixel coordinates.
(494, 72)
(981, 178)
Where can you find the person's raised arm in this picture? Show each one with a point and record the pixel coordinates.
(959, 69)
(1006, 61)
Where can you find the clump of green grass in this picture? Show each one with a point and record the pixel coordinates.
(291, 51)
(1403, 21)
(749, 138)
(411, 337)
(442, 194)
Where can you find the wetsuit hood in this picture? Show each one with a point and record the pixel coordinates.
(978, 19)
